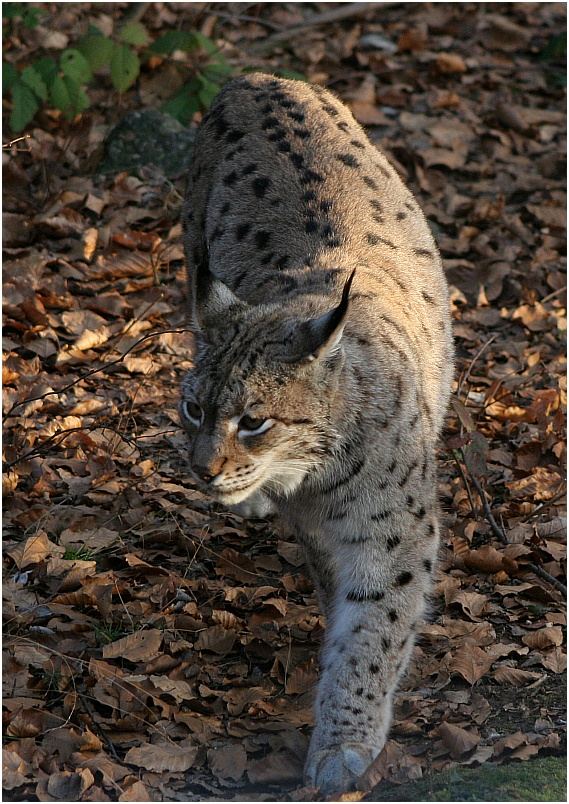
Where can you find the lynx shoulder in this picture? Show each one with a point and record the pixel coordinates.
(322, 375)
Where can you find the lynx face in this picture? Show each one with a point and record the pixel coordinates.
(257, 405)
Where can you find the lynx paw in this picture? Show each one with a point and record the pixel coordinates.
(257, 506)
(335, 770)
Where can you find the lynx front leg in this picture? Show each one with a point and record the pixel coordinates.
(368, 644)
(322, 568)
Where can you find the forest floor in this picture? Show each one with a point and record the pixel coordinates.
(159, 648)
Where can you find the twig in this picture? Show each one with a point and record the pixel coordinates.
(456, 455)
(473, 361)
(555, 293)
(496, 529)
(8, 145)
(342, 12)
(501, 534)
(247, 18)
(545, 504)
(547, 577)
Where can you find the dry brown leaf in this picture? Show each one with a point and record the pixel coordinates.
(225, 618)
(471, 603)
(142, 646)
(136, 792)
(179, 690)
(276, 768)
(228, 761)
(291, 552)
(302, 679)
(35, 549)
(68, 785)
(450, 63)
(556, 661)
(459, 741)
(544, 638)
(514, 676)
(216, 639)
(163, 756)
(14, 770)
(90, 239)
(510, 743)
(470, 662)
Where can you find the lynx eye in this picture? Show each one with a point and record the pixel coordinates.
(192, 411)
(251, 426)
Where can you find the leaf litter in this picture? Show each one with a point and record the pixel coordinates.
(159, 648)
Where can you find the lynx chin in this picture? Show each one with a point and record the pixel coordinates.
(323, 365)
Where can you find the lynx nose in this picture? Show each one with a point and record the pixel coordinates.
(208, 468)
(204, 473)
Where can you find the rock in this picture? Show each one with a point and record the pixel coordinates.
(533, 780)
(148, 137)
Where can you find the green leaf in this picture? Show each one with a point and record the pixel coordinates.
(59, 94)
(24, 106)
(46, 68)
(174, 40)
(9, 76)
(125, 66)
(205, 43)
(75, 66)
(207, 91)
(31, 16)
(97, 49)
(185, 103)
(35, 82)
(77, 97)
(11, 10)
(67, 95)
(217, 70)
(134, 33)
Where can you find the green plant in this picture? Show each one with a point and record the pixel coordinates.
(108, 632)
(62, 84)
(82, 553)
(29, 15)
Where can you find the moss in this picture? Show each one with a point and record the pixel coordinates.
(535, 780)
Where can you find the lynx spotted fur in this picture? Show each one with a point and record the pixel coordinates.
(322, 374)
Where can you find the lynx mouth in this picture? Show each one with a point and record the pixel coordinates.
(232, 496)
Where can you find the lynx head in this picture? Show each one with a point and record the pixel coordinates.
(257, 404)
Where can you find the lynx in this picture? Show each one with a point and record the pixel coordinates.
(322, 373)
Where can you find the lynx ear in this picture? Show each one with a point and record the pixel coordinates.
(321, 336)
(210, 297)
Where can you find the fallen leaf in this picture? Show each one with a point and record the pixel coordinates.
(216, 639)
(544, 638)
(136, 792)
(459, 741)
(228, 761)
(162, 757)
(142, 646)
(450, 63)
(470, 662)
(514, 676)
(68, 785)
